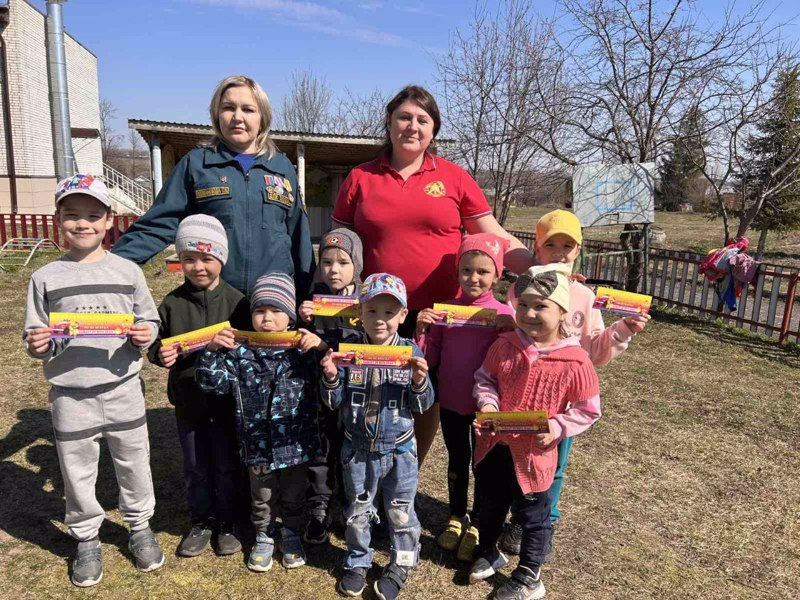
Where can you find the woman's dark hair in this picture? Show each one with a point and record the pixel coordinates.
(422, 98)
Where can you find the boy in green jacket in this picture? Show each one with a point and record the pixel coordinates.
(206, 425)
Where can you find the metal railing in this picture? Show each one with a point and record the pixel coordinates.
(674, 280)
(44, 226)
(126, 191)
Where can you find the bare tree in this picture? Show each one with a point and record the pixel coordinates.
(136, 151)
(360, 115)
(307, 106)
(631, 70)
(108, 139)
(487, 78)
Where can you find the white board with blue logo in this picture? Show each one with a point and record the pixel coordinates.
(613, 194)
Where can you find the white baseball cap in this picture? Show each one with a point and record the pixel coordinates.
(83, 184)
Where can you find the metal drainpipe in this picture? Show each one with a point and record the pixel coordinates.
(7, 126)
(59, 99)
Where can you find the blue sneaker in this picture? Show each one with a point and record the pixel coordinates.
(260, 559)
(292, 548)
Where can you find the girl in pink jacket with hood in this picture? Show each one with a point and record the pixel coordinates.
(558, 241)
(537, 366)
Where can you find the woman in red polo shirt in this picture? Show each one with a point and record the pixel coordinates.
(408, 207)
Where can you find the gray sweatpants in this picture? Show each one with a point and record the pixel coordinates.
(80, 418)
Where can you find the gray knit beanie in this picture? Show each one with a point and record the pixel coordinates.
(274, 289)
(202, 233)
(349, 242)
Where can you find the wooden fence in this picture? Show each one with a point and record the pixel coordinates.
(673, 279)
(34, 226)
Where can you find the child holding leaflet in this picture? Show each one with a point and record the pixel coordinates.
(276, 416)
(458, 352)
(379, 452)
(339, 274)
(206, 427)
(535, 367)
(558, 241)
(96, 390)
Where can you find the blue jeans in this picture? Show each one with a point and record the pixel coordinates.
(396, 475)
(564, 448)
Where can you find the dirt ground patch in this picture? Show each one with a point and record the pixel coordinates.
(688, 487)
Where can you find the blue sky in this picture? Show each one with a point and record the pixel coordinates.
(160, 59)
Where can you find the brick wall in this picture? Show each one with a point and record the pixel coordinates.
(30, 109)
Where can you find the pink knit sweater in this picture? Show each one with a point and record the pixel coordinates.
(459, 352)
(517, 376)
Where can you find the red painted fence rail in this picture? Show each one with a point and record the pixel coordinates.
(12, 226)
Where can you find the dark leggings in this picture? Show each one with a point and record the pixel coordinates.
(459, 438)
(498, 481)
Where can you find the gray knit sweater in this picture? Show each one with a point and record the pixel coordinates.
(111, 285)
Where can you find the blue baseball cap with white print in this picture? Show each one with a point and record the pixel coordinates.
(383, 283)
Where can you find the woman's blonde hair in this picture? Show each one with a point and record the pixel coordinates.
(264, 143)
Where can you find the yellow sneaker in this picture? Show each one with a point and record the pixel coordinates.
(468, 545)
(450, 537)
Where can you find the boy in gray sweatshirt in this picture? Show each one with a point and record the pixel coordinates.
(96, 390)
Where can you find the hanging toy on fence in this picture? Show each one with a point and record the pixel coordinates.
(718, 269)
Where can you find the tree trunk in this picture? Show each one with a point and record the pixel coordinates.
(762, 243)
(632, 242)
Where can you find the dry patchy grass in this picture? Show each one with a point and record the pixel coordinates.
(688, 487)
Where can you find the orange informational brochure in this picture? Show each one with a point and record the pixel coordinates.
(267, 339)
(366, 355)
(526, 421)
(95, 325)
(622, 302)
(454, 315)
(326, 305)
(194, 340)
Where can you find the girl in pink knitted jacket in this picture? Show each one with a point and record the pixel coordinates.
(558, 242)
(535, 367)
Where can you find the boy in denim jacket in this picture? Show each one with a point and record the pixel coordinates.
(276, 416)
(379, 452)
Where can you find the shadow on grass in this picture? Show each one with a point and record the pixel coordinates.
(769, 349)
(32, 500)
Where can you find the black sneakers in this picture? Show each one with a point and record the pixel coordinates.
(228, 539)
(196, 541)
(316, 531)
(353, 582)
(511, 540)
(393, 579)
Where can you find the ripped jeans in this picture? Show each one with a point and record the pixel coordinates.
(396, 475)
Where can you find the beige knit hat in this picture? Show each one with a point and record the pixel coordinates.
(547, 281)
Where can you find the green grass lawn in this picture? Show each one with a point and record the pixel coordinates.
(688, 487)
(689, 232)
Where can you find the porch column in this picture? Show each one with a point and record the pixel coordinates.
(301, 172)
(155, 163)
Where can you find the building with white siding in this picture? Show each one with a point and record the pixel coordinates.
(24, 51)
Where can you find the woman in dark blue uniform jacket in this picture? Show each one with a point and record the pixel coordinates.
(241, 179)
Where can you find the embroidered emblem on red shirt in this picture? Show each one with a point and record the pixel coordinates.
(435, 189)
